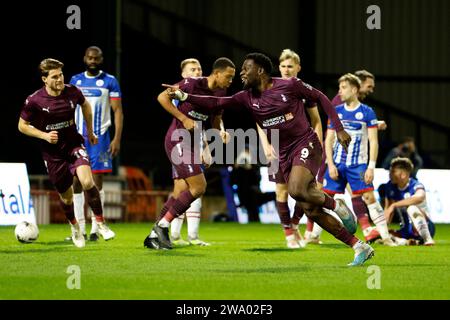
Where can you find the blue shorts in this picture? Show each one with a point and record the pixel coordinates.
(101, 160)
(353, 175)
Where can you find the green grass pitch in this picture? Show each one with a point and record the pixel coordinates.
(243, 262)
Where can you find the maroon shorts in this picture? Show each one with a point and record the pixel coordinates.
(62, 171)
(277, 177)
(185, 162)
(307, 154)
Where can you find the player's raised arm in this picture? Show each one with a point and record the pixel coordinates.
(209, 102)
(309, 93)
(165, 100)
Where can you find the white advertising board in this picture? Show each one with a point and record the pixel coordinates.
(435, 182)
(16, 204)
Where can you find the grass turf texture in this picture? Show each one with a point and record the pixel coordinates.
(243, 262)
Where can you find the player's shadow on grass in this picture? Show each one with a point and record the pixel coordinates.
(330, 246)
(275, 270)
(175, 253)
(284, 249)
(277, 249)
(47, 246)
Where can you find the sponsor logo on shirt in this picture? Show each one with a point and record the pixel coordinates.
(277, 120)
(59, 125)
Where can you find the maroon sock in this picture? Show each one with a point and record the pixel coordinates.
(180, 205)
(309, 225)
(329, 202)
(360, 209)
(346, 237)
(93, 199)
(298, 214)
(68, 211)
(283, 213)
(165, 208)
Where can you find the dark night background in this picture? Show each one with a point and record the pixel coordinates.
(409, 57)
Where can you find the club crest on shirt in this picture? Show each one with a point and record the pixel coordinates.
(289, 116)
(99, 83)
(359, 115)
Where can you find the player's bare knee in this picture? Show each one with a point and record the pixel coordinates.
(66, 198)
(87, 183)
(369, 197)
(198, 191)
(299, 194)
(309, 211)
(413, 211)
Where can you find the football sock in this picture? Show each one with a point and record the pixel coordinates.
(78, 205)
(316, 231)
(193, 224)
(298, 214)
(166, 208)
(285, 219)
(329, 203)
(94, 228)
(69, 212)
(359, 207)
(193, 215)
(377, 216)
(175, 227)
(309, 225)
(93, 199)
(346, 237)
(179, 206)
(420, 222)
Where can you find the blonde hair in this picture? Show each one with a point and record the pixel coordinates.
(186, 61)
(289, 54)
(351, 79)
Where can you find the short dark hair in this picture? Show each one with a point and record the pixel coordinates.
(222, 63)
(94, 48)
(402, 163)
(261, 60)
(49, 64)
(364, 74)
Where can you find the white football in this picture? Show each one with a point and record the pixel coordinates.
(26, 232)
